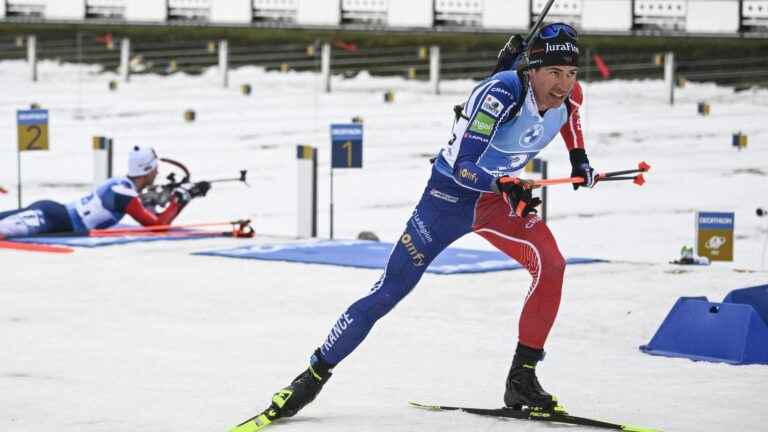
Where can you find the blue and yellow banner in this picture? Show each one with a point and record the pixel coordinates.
(347, 145)
(535, 165)
(305, 152)
(101, 143)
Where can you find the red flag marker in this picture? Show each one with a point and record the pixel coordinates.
(601, 66)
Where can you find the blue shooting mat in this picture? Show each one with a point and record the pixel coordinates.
(94, 242)
(373, 255)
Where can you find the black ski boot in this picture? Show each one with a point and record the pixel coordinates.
(303, 389)
(523, 388)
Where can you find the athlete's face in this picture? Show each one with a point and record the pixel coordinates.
(151, 177)
(552, 84)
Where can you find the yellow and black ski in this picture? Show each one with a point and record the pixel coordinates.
(558, 415)
(257, 422)
(266, 417)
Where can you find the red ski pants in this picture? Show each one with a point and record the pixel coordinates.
(528, 241)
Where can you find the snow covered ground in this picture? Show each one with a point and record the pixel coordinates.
(149, 338)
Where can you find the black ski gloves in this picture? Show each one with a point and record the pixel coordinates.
(189, 191)
(580, 168)
(199, 189)
(182, 196)
(517, 193)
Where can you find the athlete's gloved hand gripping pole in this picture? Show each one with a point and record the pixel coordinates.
(517, 191)
(614, 176)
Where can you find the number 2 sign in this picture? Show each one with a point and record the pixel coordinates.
(32, 129)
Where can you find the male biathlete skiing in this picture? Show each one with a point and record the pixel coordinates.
(507, 120)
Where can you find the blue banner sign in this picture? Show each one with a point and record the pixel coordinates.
(346, 146)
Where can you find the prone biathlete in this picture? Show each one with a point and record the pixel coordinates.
(105, 206)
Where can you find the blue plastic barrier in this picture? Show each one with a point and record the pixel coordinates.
(756, 296)
(732, 332)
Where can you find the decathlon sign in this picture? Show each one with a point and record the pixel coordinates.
(714, 235)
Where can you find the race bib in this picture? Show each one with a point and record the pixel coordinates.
(92, 212)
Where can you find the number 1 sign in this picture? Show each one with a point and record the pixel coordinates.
(346, 151)
(346, 146)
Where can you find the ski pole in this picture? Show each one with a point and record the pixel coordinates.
(539, 21)
(513, 46)
(608, 176)
(638, 179)
(528, 184)
(641, 168)
(533, 184)
(615, 178)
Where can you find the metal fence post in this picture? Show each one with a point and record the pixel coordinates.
(125, 59)
(102, 159)
(669, 75)
(434, 68)
(325, 67)
(307, 191)
(224, 62)
(32, 56)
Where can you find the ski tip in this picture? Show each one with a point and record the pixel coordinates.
(639, 180)
(424, 406)
(254, 424)
(643, 166)
(250, 426)
(630, 428)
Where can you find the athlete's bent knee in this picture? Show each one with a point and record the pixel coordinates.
(554, 263)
